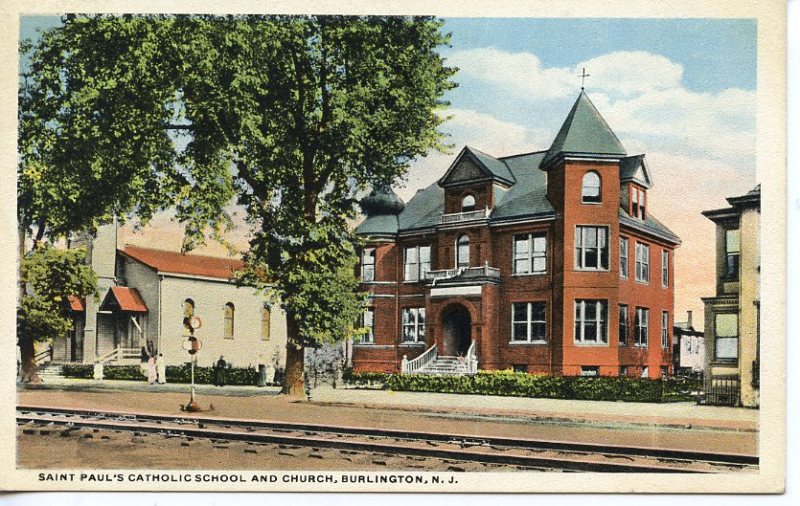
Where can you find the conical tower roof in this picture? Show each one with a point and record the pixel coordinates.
(586, 133)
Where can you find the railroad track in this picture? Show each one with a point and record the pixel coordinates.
(491, 451)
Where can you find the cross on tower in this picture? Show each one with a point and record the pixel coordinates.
(584, 75)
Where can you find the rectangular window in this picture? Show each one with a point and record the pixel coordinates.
(726, 336)
(664, 371)
(417, 263)
(368, 321)
(528, 322)
(414, 325)
(265, 322)
(664, 269)
(645, 372)
(642, 262)
(637, 203)
(732, 250)
(641, 326)
(623, 370)
(623, 325)
(664, 329)
(623, 257)
(591, 317)
(590, 370)
(368, 264)
(530, 254)
(591, 248)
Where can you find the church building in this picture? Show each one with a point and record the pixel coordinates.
(156, 299)
(547, 262)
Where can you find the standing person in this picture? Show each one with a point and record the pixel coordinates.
(152, 374)
(161, 369)
(219, 374)
(145, 357)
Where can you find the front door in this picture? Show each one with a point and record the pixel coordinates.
(456, 331)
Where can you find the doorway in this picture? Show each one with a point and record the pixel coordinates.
(456, 331)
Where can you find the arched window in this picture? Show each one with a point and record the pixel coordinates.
(230, 310)
(188, 313)
(468, 204)
(590, 191)
(462, 252)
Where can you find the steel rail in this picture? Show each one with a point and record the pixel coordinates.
(118, 417)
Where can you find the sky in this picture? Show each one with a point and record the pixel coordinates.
(681, 91)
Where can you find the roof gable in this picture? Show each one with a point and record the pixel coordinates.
(586, 133)
(172, 262)
(123, 298)
(473, 165)
(634, 168)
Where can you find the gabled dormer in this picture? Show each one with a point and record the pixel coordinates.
(634, 180)
(471, 181)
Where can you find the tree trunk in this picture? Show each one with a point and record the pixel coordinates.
(28, 361)
(295, 360)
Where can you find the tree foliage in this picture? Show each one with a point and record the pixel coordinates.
(294, 115)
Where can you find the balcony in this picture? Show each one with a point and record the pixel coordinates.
(456, 218)
(463, 273)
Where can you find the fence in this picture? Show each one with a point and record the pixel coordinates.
(723, 390)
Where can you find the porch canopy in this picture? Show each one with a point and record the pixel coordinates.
(123, 298)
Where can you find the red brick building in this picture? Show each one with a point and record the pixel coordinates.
(546, 262)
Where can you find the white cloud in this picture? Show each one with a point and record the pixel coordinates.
(640, 94)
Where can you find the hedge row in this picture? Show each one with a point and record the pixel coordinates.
(175, 374)
(515, 384)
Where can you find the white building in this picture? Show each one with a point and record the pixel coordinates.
(147, 294)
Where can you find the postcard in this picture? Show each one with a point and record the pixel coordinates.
(354, 247)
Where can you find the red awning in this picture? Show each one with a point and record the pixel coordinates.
(76, 304)
(122, 298)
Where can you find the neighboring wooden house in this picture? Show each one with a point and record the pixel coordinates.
(146, 295)
(732, 315)
(547, 262)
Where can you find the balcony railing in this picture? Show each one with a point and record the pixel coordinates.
(479, 214)
(463, 273)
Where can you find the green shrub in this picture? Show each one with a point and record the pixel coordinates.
(123, 372)
(516, 384)
(77, 371)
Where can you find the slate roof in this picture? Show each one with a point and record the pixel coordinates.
(649, 224)
(172, 262)
(629, 170)
(584, 132)
(498, 169)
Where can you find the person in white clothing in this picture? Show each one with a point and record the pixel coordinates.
(161, 369)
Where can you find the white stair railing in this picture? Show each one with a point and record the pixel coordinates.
(412, 366)
(118, 355)
(472, 359)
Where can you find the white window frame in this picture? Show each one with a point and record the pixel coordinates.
(642, 262)
(529, 322)
(416, 327)
(625, 319)
(368, 321)
(419, 268)
(458, 252)
(624, 257)
(591, 199)
(664, 329)
(531, 255)
(638, 203)
(368, 253)
(733, 338)
(641, 327)
(664, 268)
(600, 321)
(581, 249)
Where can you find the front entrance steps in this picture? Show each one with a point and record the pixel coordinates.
(51, 370)
(445, 366)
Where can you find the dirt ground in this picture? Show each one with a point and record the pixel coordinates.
(52, 451)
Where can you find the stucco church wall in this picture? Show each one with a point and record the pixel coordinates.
(247, 348)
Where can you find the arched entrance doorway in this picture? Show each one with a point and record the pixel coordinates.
(456, 331)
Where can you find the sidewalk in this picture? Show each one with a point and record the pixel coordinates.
(682, 415)
(89, 385)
